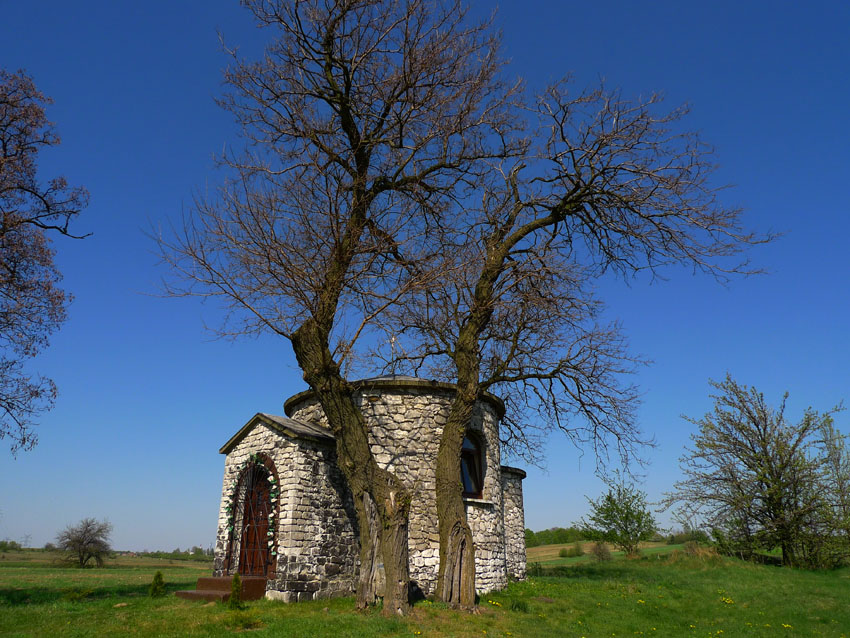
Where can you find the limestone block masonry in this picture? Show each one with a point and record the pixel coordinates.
(314, 533)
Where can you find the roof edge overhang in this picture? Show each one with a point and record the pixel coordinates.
(364, 385)
(277, 426)
(514, 470)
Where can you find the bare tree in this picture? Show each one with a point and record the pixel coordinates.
(365, 120)
(86, 541)
(32, 307)
(390, 181)
(612, 187)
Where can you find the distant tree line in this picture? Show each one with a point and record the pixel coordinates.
(9, 546)
(193, 553)
(554, 536)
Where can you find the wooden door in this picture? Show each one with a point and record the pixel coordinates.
(254, 551)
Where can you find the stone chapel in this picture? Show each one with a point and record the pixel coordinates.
(286, 514)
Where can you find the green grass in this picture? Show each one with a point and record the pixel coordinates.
(548, 555)
(660, 594)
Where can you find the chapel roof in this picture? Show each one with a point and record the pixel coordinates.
(282, 425)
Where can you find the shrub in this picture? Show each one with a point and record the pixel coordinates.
(621, 517)
(157, 588)
(235, 592)
(600, 552)
(573, 551)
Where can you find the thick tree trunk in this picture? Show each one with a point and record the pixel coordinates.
(375, 491)
(394, 519)
(456, 577)
(368, 582)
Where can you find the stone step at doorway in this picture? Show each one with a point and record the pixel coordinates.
(218, 589)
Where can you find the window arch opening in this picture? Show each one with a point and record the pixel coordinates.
(472, 467)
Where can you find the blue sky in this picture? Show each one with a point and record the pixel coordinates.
(147, 396)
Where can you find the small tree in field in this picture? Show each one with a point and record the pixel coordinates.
(235, 601)
(88, 540)
(620, 517)
(157, 588)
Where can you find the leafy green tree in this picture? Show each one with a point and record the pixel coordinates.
(620, 517)
(157, 588)
(761, 482)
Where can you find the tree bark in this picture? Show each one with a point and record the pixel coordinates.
(456, 577)
(382, 503)
(368, 580)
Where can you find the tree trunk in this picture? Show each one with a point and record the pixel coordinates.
(368, 582)
(394, 547)
(375, 491)
(456, 577)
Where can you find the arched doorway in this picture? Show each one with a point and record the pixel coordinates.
(254, 554)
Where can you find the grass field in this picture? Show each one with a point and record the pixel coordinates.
(660, 594)
(548, 555)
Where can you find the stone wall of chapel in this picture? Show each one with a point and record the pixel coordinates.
(314, 540)
(406, 425)
(514, 517)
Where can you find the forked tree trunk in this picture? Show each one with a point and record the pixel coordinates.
(375, 491)
(456, 577)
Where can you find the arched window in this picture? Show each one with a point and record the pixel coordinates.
(472, 468)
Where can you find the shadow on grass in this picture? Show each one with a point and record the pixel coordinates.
(584, 571)
(41, 595)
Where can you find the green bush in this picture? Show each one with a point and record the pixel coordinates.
(600, 552)
(157, 589)
(235, 592)
(575, 550)
(621, 517)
